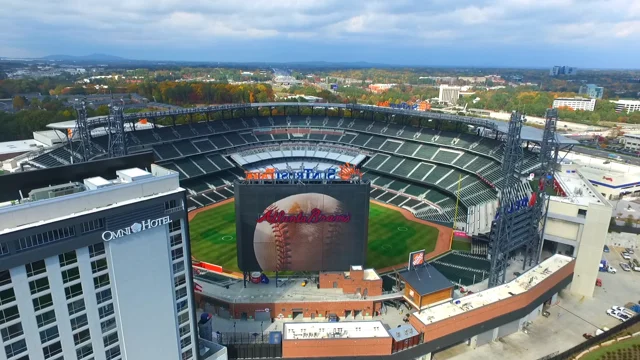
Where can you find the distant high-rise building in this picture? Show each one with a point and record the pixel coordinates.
(98, 270)
(563, 70)
(592, 90)
(449, 94)
(575, 103)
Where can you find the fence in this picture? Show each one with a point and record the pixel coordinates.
(242, 345)
(569, 354)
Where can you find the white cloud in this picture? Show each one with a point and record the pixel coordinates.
(461, 23)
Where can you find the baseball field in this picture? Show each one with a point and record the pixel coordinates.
(391, 236)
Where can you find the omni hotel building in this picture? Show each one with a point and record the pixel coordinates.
(98, 269)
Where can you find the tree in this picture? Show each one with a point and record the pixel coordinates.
(19, 102)
(102, 110)
(629, 221)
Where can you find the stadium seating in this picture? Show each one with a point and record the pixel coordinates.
(166, 151)
(220, 141)
(185, 147)
(203, 145)
(235, 139)
(188, 167)
(220, 161)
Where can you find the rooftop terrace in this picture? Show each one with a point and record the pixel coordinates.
(68, 200)
(519, 285)
(334, 330)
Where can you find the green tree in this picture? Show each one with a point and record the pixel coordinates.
(19, 102)
(629, 221)
(102, 110)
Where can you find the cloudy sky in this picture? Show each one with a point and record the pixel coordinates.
(533, 33)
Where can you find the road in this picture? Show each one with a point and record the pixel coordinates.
(634, 160)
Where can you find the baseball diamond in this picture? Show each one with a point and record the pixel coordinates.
(391, 236)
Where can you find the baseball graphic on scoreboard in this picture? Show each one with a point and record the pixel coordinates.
(300, 232)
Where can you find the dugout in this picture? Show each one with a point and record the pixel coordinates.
(425, 286)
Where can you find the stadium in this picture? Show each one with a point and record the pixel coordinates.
(437, 192)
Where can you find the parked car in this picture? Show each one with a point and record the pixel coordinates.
(333, 318)
(615, 314)
(625, 255)
(623, 310)
(625, 266)
(611, 270)
(629, 251)
(606, 249)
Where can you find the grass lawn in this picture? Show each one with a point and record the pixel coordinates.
(461, 245)
(628, 349)
(391, 237)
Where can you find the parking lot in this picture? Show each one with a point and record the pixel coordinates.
(570, 318)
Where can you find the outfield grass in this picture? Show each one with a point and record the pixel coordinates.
(391, 237)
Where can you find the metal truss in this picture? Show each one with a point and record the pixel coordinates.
(116, 145)
(548, 158)
(83, 130)
(510, 220)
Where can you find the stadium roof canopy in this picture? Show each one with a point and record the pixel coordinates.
(528, 133)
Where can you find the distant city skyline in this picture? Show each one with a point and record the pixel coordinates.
(501, 33)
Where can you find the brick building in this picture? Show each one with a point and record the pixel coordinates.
(365, 282)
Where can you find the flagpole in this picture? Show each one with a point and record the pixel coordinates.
(455, 215)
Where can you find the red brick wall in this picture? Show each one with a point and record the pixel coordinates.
(482, 314)
(352, 284)
(336, 347)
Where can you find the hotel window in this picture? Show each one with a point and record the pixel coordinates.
(38, 285)
(103, 296)
(101, 280)
(78, 322)
(96, 250)
(76, 306)
(185, 342)
(81, 337)
(112, 353)
(4, 249)
(9, 314)
(7, 296)
(49, 334)
(5, 277)
(187, 355)
(73, 291)
(108, 325)
(84, 351)
(181, 293)
(177, 254)
(178, 267)
(174, 225)
(52, 350)
(68, 258)
(36, 268)
(176, 240)
(11, 332)
(42, 302)
(16, 348)
(105, 311)
(179, 280)
(171, 204)
(70, 275)
(110, 339)
(46, 318)
(93, 225)
(98, 265)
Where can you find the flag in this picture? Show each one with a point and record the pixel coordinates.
(533, 199)
(197, 287)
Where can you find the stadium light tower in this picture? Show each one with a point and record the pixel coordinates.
(84, 131)
(502, 236)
